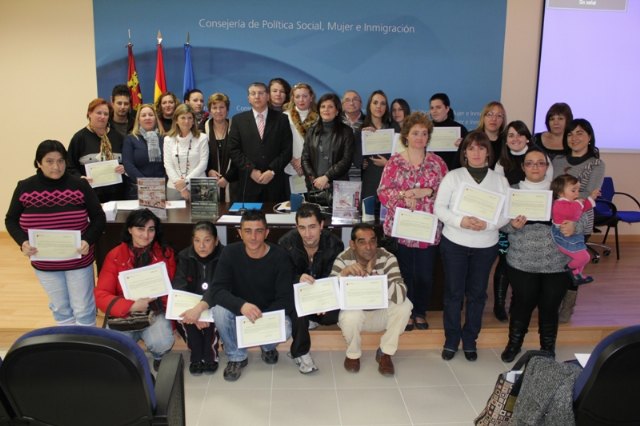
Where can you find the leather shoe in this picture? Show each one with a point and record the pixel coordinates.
(422, 324)
(385, 365)
(352, 365)
(410, 325)
(471, 355)
(447, 354)
(270, 357)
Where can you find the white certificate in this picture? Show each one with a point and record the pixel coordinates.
(478, 202)
(364, 292)
(444, 139)
(535, 205)
(103, 173)
(180, 301)
(397, 144)
(414, 225)
(378, 142)
(55, 244)
(297, 184)
(321, 296)
(265, 330)
(148, 281)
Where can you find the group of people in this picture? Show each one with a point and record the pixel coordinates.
(252, 157)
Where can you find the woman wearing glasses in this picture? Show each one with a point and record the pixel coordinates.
(492, 120)
(517, 143)
(535, 267)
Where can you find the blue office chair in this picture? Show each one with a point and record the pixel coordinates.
(608, 193)
(607, 392)
(77, 375)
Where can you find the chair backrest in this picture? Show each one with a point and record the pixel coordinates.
(78, 376)
(608, 389)
(6, 414)
(607, 189)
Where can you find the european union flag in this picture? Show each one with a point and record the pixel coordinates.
(189, 81)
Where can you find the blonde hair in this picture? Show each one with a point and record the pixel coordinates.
(183, 109)
(136, 124)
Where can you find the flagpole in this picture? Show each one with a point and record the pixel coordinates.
(160, 84)
(132, 77)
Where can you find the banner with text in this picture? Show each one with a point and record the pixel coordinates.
(408, 48)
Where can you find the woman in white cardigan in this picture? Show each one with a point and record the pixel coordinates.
(186, 153)
(469, 245)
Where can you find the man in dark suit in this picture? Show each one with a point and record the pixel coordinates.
(260, 145)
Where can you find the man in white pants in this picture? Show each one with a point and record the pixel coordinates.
(363, 258)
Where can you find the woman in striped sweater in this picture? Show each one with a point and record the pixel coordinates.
(52, 199)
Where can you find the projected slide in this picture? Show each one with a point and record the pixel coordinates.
(407, 48)
(590, 59)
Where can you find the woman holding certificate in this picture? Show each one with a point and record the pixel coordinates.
(97, 143)
(142, 150)
(141, 246)
(535, 267)
(582, 160)
(442, 115)
(469, 203)
(410, 180)
(68, 216)
(186, 153)
(517, 142)
(196, 266)
(377, 118)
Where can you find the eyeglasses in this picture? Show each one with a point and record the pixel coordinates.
(349, 100)
(494, 114)
(257, 94)
(538, 164)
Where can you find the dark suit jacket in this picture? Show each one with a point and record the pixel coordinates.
(273, 152)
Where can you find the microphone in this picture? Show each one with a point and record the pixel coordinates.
(247, 168)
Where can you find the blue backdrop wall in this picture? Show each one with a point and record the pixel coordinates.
(408, 48)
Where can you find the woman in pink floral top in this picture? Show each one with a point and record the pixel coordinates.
(410, 180)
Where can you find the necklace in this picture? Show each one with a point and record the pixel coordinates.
(220, 135)
(186, 172)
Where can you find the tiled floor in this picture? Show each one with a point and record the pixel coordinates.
(425, 391)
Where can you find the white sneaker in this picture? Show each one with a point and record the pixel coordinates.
(313, 324)
(305, 364)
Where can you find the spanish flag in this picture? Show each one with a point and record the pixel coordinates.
(132, 81)
(161, 83)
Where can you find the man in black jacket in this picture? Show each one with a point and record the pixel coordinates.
(312, 251)
(252, 277)
(260, 145)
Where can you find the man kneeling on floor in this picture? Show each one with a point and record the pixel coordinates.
(364, 258)
(312, 250)
(252, 277)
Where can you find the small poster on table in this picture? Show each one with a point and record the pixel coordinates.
(346, 201)
(152, 194)
(204, 198)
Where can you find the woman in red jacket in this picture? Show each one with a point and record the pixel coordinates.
(141, 246)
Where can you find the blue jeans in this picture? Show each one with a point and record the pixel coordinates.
(226, 323)
(466, 271)
(70, 295)
(158, 337)
(416, 266)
